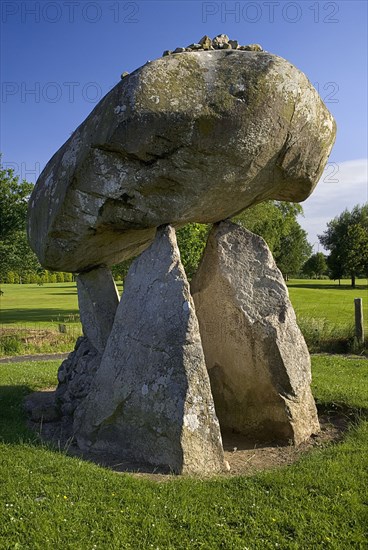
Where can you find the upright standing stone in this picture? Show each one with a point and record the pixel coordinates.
(150, 400)
(258, 361)
(98, 300)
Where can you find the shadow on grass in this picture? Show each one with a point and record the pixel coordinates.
(61, 293)
(352, 414)
(57, 285)
(14, 430)
(35, 315)
(13, 427)
(320, 286)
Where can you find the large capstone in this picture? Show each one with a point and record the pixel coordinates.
(190, 137)
(257, 359)
(150, 400)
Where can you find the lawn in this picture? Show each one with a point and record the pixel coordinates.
(52, 501)
(324, 309)
(326, 299)
(37, 314)
(51, 304)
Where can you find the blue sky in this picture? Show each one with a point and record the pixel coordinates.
(58, 58)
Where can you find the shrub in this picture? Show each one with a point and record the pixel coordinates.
(10, 345)
(10, 277)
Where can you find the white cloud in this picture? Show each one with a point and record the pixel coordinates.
(342, 185)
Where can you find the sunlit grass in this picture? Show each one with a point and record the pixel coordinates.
(50, 500)
(325, 312)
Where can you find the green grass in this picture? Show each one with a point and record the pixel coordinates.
(325, 313)
(327, 300)
(324, 309)
(50, 304)
(31, 315)
(51, 501)
(39, 306)
(341, 381)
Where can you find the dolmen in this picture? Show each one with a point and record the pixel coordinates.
(161, 374)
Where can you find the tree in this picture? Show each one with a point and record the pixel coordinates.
(357, 250)
(294, 250)
(276, 222)
(120, 271)
(335, 266)
(271, 220)
(15, 253)
(13, 203)
(346, 237)
(315, 266)
(192, 241)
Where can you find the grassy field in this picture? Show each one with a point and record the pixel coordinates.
(31, 315)
(324, 309)
(52, 501)
(328, 300)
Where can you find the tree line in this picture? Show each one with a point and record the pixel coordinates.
(346, 240)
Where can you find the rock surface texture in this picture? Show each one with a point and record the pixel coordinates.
(75, 375)
(150, 400)
(257, 359)
(98, 300)
(195, 136)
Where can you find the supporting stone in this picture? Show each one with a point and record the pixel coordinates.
(150, 400)
(74, 376)
(98, 300)
(257, 359)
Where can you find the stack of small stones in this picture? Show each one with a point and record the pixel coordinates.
(220, 42)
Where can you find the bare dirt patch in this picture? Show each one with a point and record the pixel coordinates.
(244, 457)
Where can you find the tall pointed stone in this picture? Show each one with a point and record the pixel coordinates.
(150, 400)
(257, 359)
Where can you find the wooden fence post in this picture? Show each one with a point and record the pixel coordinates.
(359, 326)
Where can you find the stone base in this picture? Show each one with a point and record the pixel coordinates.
(75, 375)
